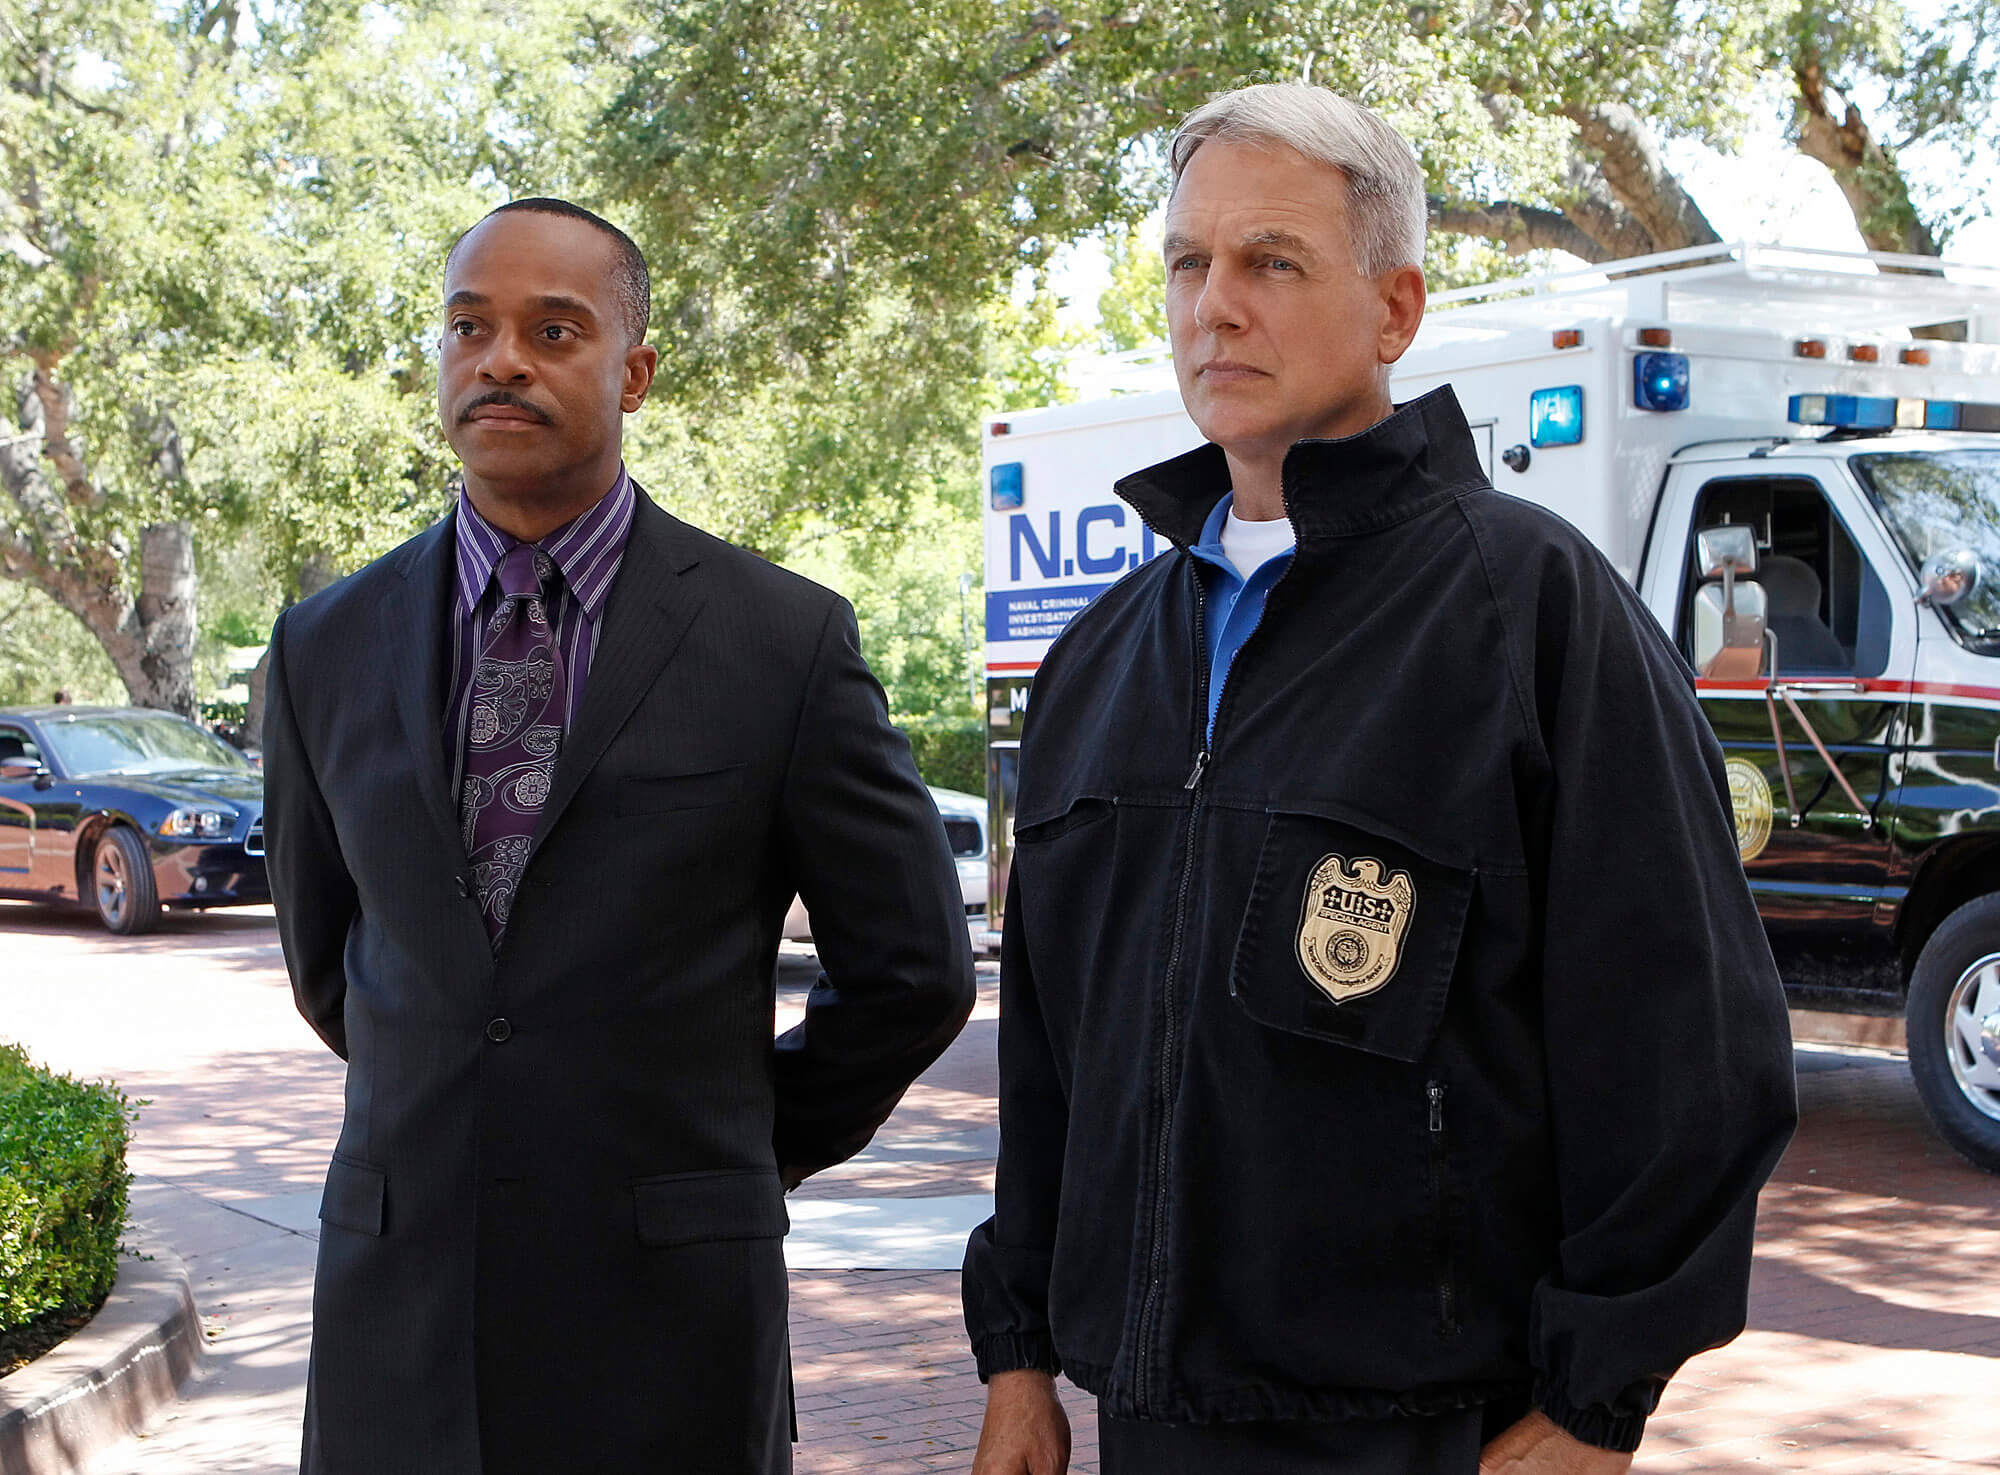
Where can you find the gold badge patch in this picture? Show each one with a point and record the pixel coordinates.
(1352, 926)
(1750, 801)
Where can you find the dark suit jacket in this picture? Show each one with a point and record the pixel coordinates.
(551, 1235)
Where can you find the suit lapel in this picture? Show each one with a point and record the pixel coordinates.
(417, 630)
(652, 604)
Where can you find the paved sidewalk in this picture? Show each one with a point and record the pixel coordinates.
(1874, 1345)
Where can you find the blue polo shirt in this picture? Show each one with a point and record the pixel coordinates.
(1232, 604)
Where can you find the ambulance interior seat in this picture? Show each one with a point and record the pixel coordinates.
(1792, 594)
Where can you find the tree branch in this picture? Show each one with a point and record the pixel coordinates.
(1050, 22)
(1629, 161)
(1867, 173)
(1597, 213)
(1517, 227)
(101, 110)
(53, 401)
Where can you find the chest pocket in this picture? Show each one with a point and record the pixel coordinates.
(1349, 936)
(661, 793)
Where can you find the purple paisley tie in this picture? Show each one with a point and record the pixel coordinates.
(514, 730)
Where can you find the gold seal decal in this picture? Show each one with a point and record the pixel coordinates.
(1352, 926)
(1750, 801)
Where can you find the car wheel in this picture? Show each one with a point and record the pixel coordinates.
(1953, 1023)
(122, 884)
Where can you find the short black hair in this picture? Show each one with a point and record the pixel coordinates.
(633, 283)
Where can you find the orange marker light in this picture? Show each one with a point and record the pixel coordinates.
(1917, 356)
(1810, 348)
(1568, 337)
(1656, 337)
(1864, 353)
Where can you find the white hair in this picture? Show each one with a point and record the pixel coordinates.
(1386, 211)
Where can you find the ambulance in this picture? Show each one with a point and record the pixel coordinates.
(1794, 457)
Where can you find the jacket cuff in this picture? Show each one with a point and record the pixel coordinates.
(1618, 1429)
(1008, 1352)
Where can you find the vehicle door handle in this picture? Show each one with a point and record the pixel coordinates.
(1846, 688)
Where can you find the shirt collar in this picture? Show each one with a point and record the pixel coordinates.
(587, 549)
(1209, 548)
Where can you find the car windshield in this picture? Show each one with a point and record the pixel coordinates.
(1938, 501)
(133, 745)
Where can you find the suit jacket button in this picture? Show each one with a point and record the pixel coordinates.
(498, 1030)
(463, 886)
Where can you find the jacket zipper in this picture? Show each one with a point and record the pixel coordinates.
(1447, 1293)
(1205, 734)
(1164, 1082)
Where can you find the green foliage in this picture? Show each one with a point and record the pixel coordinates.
(63, 1187)
(916, 593)
(228, 239)
(950, 752)
(43, 649)
(1930, 78)
(1132, 311)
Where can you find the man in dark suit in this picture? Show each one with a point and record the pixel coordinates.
(542, 783)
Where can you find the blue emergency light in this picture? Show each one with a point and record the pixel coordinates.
(1005, 483)
(1885, 412)
(1660, 381)
(1555, 416)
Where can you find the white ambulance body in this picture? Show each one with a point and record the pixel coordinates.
(1806, 496)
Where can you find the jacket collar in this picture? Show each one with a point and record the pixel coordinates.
(1417, 458)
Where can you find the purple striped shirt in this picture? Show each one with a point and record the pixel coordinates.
(588, 550)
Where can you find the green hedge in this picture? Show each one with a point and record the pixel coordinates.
(950, 751)
(62, 1189)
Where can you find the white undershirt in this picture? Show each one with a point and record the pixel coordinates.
(1250, 545)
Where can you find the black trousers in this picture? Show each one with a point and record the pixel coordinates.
(1445, 1444)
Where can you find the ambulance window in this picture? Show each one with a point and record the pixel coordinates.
(1827, 609)
(1937, 502)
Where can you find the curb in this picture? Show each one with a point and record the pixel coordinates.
(110, 1380)
(1870, 1032)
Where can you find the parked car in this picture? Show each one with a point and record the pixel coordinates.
(127, 810)
(964, 818)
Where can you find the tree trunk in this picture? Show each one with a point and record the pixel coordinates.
(315, 574)
(150, 639)
(159, 671)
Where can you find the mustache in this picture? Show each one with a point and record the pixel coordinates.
(502, 397)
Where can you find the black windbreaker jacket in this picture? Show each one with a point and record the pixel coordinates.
(1414, 1042)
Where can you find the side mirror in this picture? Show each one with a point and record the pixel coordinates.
(1949, 576)
(1723, 551)
(1729, 622)
(1729, 618)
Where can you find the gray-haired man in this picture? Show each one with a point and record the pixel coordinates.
(1390, 1051)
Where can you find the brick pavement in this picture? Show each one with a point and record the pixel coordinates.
(1874, 1345)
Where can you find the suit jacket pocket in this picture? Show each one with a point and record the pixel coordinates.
(657, 793)
(355, 1196)
(1349, 936)
(692, 1208)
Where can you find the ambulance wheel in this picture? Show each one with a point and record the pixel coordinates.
(1953, 1020)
